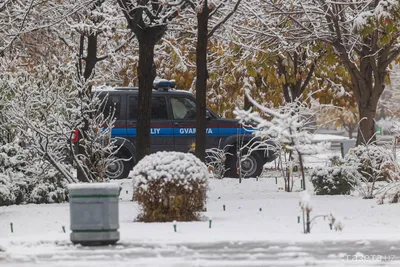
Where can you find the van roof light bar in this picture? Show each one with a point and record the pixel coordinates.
(164, 85)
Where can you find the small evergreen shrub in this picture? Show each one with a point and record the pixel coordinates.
(170, 186)
(50, 190)
(21, 183)
(331, 180)
(6, 195)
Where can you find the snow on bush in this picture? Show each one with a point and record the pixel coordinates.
(290, 128)
(21, 183)
(170, 186)
(6, 195)
(330, 180)
(216, 161)
(365, 165)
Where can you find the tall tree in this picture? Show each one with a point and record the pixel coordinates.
(205, 11)
(148, 20)
(364, 35)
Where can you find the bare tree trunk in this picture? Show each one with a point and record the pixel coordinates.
(201, 80)
(86, 94)
(368, 83)
(308, 224)
(367, 110)
(91, 58)
(303, 176)
(247, 103)
(147, 37)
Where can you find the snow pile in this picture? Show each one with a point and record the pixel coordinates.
(170, 186)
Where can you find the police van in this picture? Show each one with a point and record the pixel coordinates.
(173, 128)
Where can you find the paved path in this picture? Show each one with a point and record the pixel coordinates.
(332, 254)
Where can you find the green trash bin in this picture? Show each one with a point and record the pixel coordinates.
(94, 213)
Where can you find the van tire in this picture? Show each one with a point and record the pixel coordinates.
(120, 169)
(252, 166)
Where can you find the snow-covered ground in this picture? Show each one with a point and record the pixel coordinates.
(328, 137)
(258, 228)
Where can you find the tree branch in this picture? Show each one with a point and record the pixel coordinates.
(219, 24)
(117, 49)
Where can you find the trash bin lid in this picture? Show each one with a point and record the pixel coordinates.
(94, 189)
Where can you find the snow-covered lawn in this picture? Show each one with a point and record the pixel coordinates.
(256, 211)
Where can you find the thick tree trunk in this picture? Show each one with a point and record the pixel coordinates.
(91, 58)
(368, 84)
(147, 74)
(147, 37)
(369, 92)
(366, 129)
(201, 80)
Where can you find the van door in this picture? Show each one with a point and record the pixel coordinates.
(161, 135)
(183, 111)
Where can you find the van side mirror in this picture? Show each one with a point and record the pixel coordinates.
(208, 115)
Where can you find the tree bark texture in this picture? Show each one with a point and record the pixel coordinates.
(367, 85)
(147, 37)
(201, 80)
(90, 63)
(367, 79)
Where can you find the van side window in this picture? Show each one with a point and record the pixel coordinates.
(133, 107)
(158, 108)
(183, 108)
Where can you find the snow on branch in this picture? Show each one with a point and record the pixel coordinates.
(291, 125)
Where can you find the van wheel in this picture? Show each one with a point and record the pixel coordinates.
(251, 166)
(119, 169)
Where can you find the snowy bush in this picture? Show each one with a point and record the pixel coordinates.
(170, 186)
(216, 161)
(365, 165)
(21, 183)
(290, 128)
(51, 189)
(369, 161)
(330, 180)
(6, 195)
